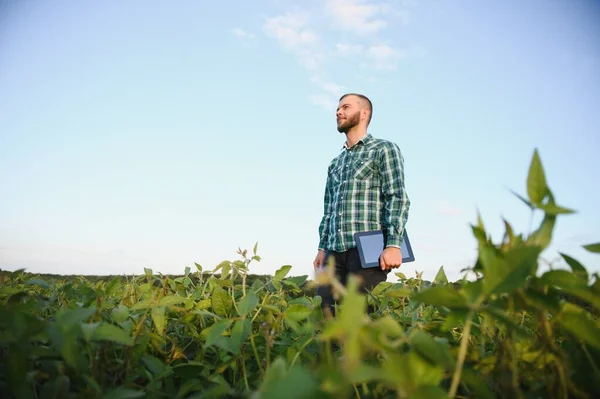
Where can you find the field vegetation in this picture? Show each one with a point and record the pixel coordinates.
(510, 330)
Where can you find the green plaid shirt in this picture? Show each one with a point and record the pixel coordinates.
(364, 192)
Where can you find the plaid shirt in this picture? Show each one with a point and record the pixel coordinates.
(364, 192)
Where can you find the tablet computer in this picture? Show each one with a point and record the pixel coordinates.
(370, 247)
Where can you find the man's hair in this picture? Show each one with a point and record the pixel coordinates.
(362, 97)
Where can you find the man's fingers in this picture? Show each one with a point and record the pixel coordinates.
(382, 263)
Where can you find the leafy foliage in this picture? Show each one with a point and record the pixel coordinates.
(512, 331)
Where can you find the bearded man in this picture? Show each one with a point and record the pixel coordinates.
(364, 191)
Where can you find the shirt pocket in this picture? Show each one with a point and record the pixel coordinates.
(366, 171)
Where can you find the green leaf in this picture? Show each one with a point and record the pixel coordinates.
(525, 200)
(477, 385)
(113, 286)
(442, 295)
(87, 330)
(214, 332)
(353, 307)
(429, 392)
(158, 317)
(575, 320)
(520, 264)
(154, 364)
(563, 279)
(297, 312)
(225, 269)
(282, 272)
(409, 371)
(239, 334)
(500, 317)
(67, 318)
(255, 248)
(432, 350)
(593, 247)
(543, 235)
(123, 393)
(203, 304)
(247, 304)
(400, 275)
(55, 389)
(120, 313)
(297, 280)
(536, 180)
(112, 333)
(401, 292)
(440, 277)
(553, 209)
(274, 373)
(381, 287)
(577, 267)
(38, 282)
(297, 383)
(388, 326)
(171, 300)
(572, 284)
(363, 373)
(221, 301)
(143, 304)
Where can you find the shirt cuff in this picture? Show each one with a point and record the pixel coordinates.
(394, 240)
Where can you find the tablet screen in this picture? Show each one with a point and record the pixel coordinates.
(372, 246)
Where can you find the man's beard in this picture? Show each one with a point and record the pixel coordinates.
(349, 123)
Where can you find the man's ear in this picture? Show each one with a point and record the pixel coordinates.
(365, 113)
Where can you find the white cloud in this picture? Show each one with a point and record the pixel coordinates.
(291, 31)
(313, 36)
(344, 49)
(382, 56)
(324, 100)
(330, 87)
(239, 32)
(363, 17)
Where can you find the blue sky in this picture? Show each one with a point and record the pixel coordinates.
(158, 134)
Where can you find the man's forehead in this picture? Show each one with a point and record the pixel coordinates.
(351, 99)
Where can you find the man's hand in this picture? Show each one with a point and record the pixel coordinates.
(391, 258)
(319, 259)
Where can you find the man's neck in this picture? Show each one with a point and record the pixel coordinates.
(354, 135)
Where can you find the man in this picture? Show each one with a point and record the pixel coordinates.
(364, 191)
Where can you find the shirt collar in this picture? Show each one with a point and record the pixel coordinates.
(364, 140)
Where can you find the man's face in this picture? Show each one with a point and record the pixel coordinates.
(348, 114)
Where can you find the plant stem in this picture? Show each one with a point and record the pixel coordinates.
(244, 284)
(589, 358)
(300, 351)
(262, 371)
(243, 360)
(461, 354)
